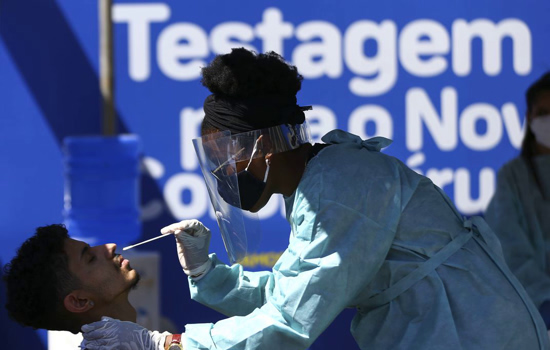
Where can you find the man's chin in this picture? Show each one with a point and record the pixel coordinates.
(135, 281)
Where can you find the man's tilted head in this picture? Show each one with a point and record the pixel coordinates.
(38, 278)
(58, 283)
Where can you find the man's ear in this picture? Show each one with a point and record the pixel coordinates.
(77, 302)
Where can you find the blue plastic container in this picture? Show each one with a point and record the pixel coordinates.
(102, 189)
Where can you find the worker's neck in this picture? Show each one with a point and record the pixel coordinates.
(293, 169)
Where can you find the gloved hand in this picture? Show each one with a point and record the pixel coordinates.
(193, 241)
(111, 334)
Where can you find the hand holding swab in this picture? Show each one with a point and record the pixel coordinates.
(150, 240)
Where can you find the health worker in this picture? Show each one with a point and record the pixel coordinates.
(367, 233)
(519, 211)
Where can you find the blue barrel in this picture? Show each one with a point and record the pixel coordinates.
(101, 201)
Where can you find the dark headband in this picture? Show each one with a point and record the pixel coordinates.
(246, 114)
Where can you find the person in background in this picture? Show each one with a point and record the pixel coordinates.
(519, 212)
(367, 233)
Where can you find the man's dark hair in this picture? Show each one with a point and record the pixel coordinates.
(38, 279)
(243, 73)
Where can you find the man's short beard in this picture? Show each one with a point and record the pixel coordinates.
(135, 281)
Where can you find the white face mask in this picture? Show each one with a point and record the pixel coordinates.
(540, 126)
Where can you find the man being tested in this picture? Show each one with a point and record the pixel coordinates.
(58, 283)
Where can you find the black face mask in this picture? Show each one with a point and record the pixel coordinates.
(249, 187)
(250, 190)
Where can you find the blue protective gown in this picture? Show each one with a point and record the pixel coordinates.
(520, 216)
(371, 234)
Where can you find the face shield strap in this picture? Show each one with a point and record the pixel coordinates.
(254, 151)
(266, 170)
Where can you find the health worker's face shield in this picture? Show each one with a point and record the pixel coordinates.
(235, 173)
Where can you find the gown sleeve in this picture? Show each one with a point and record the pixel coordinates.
(231, 290)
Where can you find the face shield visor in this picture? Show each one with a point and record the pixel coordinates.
(228, 163)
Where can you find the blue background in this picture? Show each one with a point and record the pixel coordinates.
(49, 90)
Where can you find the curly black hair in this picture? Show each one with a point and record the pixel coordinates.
(38, 278)
(243, 73)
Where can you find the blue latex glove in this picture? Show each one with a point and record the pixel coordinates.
(111, 334)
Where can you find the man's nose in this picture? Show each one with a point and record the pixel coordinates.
(110, 248)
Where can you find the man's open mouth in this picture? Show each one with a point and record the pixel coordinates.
(122, 262)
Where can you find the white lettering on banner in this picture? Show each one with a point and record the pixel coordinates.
(383, 66)
(383, 124)
(423, 47)
(442, 129)
(462, 191)
(139, 18)
(468, 119)
(173, 192)
(421, 112)
(178, 43)
(273, 30)
(491, 35)
(419, 39)
(323, 49)
(305, 56)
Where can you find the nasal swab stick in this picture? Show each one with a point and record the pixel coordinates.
(149, 240)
